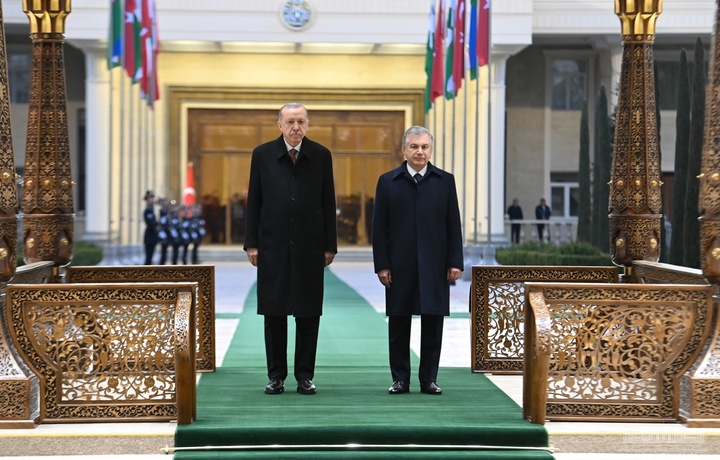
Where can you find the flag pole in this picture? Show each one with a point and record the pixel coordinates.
(489, 255)
(110, 246)
(464, 157)
(121, 148)
(452, 140)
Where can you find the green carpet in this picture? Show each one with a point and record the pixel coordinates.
(352, 405)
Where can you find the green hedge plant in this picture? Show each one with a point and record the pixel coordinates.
(534, 253)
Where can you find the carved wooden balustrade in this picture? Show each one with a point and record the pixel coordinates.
(611, 352)
(19, 389)
(497, 298)
(204, 275)
(112, 351)
(700, 385)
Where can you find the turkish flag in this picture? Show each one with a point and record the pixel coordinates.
(189, 197)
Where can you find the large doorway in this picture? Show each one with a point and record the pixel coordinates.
(220, 142)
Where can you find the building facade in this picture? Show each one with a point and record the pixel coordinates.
(226, 66)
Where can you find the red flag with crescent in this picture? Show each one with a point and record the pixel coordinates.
(189, 196)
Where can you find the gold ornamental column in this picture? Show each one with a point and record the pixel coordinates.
(710, 172)
(700, 385)
(19, 387)
(635, 195)
(47, 199)
(8, 190)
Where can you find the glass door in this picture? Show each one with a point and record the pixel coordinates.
(364, 144)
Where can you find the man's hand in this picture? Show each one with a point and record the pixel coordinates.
(329, 257)
(252, 256)
(385, 277)
(453, 274)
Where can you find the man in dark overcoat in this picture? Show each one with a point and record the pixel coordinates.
(291, 236)
(417, 252)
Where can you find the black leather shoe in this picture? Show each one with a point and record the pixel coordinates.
(430, 388)
(306, 387)
(399, 387)
(275, 387)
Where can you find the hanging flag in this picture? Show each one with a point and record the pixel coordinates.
(438, 82)
(483, 34)
(115, 34)
(131, 45)
(189, 196)
(149, 51)
(450, 51)
(155, 86)
(429, 51)
(458, 72)
(472, 40)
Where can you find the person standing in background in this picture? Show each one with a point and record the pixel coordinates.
(417, 252)
(542, 212)
(164, 233)
(291, 236)
(151, 227)
(514, 212)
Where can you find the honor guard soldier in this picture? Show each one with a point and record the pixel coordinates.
(164, 232)
(176, 238)
(151, 227)
(199, 225)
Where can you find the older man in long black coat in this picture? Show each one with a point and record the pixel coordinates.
(290, 236)
(417, 251)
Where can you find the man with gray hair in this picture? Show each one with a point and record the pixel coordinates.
(417, 252)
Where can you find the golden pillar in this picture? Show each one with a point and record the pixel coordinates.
(635, 185)
(700, 385)
(19, 387)
(47, 199)
(8, 190)
(710, 171)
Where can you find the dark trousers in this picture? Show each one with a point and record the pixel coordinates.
(276, 338)
(175, 253)
(540, 227)
(515, 233)
(184, 253)
(430, 345)
(195, 258)
(163, 253)
(149, 251)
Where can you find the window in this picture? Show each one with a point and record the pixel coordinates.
(569, 84)
(564, 199)
(19, 77)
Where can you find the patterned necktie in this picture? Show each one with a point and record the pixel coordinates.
(293, 155)
(418, 177)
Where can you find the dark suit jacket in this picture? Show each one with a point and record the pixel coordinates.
(542, 212)
(291, 220)
(417, 235)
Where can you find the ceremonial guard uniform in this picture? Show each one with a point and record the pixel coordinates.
(164, 232)
(151, 227)
(176, 236)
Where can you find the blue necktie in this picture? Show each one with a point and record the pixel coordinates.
(418, 177)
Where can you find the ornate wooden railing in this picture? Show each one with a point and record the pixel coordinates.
(611, 352)
(497, 299)
(203, 275)
(19, 389)
(113, 351)
(658, 273)
(700, 385)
